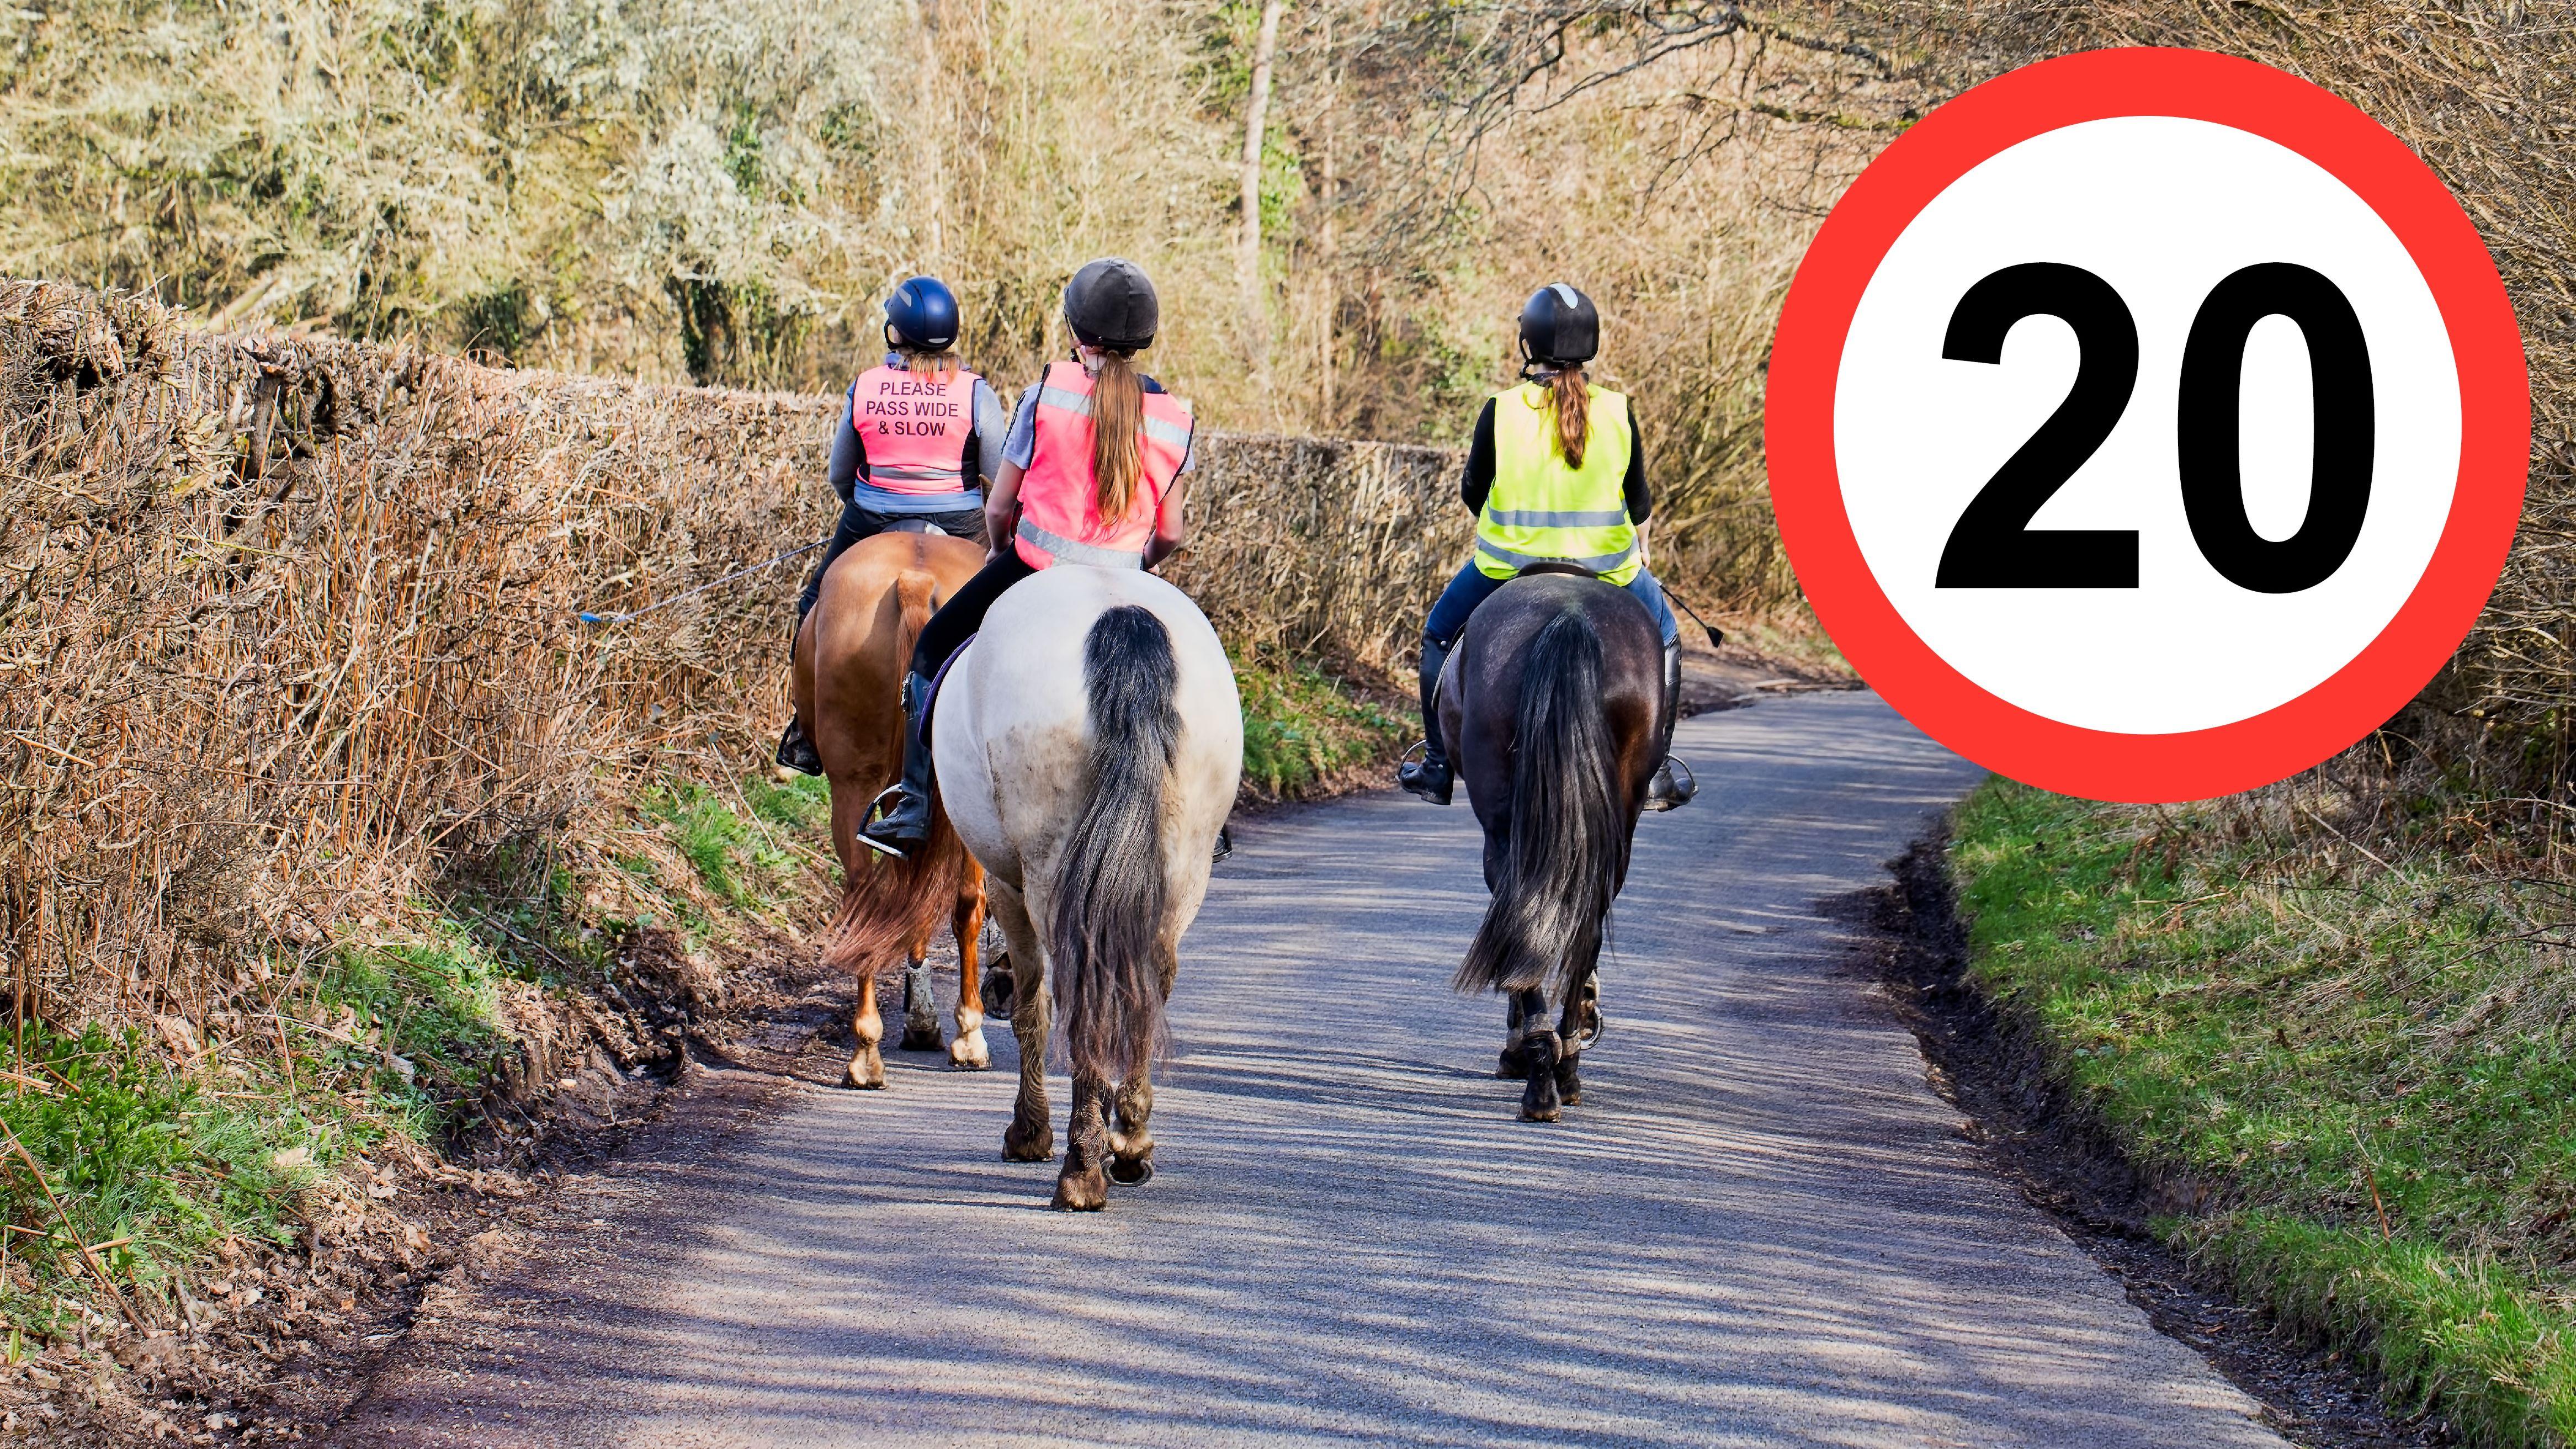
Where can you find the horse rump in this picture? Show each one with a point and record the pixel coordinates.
(887, 904)
(1105, 933)
(1568, 848)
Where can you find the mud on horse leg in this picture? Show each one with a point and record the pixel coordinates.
(1031, 1136)
(1082, 1186)
(867, 1064)
(920, 1007)
(1131, 1147)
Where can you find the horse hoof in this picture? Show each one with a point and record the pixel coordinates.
(922, 1039)
(867, 1073)
(1541, 1103)
(1081, 1192)
(1131, 1171)
(1026, 1146)
(968, 1053)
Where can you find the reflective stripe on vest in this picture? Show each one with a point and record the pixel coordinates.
(914, 426)
(1541, 511)
(1060, 518)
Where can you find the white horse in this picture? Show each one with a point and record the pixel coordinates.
(1087, 749)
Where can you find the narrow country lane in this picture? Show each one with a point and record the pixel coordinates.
(1759, 1228)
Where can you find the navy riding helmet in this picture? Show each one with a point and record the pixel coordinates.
(922, 313)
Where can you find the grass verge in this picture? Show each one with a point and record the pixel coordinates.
(138, 1165)
(2360, 1057)
(1308, 731)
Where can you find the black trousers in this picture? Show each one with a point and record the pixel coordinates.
(963, 614)
(859, 521)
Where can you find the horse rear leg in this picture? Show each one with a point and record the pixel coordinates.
(1031, 1136)
(1577, 1028)
(967, 1051)
(1131, 1147)
(1082, 1187)
(867, 1064)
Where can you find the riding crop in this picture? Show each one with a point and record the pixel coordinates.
(588, 618)
(1715, 639)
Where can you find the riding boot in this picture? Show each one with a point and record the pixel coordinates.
(1429, 776)
(904, 826)
(1666, 791)
(795, 752)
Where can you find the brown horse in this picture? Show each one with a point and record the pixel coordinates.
(850, 657)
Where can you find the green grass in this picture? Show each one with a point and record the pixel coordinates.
(2327, 1040)
(1302, 725)
(389, 1032)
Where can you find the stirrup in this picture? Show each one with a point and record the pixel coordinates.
(1224, 845)
(876, 812)
(1423, 791)
(796, 752)
(1684, 790)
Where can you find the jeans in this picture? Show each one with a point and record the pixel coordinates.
(1473, 586)
(859, 521)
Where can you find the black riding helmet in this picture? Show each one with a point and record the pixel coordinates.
(1110, 305)
(1559, 328)
(922, 314)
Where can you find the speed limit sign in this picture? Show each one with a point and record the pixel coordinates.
(2147, 424)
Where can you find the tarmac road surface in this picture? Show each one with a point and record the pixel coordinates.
(1761, 1227)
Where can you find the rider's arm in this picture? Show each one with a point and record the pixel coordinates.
(991, 426)
(1171, 522)
(1478, 480)
(1002, 507)
(1171, 529)
(1641, 504)
(849, 454)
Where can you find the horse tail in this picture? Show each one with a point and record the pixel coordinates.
(887, 904)
(1104, 940)
(1552, 896)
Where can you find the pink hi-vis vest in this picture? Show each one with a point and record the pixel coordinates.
(1060, 518)
(915, 426)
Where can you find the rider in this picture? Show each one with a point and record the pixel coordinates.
(917, 439)
(1555, 474)
(1067, 492)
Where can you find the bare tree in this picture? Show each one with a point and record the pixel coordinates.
(1256, 121)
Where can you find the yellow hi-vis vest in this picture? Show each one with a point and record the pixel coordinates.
(1542, 510)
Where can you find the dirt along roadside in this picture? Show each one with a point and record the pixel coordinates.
(2031, 1131)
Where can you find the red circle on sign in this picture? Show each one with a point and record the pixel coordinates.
(1806, 486)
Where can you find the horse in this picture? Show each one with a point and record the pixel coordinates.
(1088, 745)
(1550, 707)
(851, 653)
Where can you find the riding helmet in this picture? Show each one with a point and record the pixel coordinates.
(1110, 304)
(1559, 327)
(922, 314)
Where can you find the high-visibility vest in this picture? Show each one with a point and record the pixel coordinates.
(1539, 509)
(1060, 518)
(914, 426)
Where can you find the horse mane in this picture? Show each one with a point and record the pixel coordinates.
(1569, 847)
(1105, 937)
(888, 904)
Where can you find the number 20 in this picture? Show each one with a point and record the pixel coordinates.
(1992, 545)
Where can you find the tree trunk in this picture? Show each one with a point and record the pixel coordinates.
(1256, 121)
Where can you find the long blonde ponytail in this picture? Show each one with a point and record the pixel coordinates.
(1117, 429)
